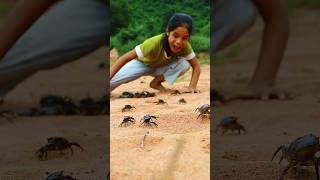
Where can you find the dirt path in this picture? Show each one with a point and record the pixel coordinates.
(179, 148)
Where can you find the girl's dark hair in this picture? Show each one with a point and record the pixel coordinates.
(177, 20)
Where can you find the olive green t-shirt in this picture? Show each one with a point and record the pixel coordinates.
(152, 53)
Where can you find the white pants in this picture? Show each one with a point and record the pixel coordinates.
(230, 19)
(68, 31)
(135, 69)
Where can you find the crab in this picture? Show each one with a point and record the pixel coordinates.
(147, 121)
(126, 94)
(56, 144)
(59, 176)
(90, 107)
(230, 123)
(8, 115)
(127, 120)
(182, 101)
(217, 96)
(127, 107)
(204, 110)
(160, 101)
(300, 152)
(145, 94)
(176, 92)
(57, 105)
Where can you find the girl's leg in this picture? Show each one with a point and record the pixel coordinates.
(230, 19)
(129, 72)
(170, 72)
(68, 31)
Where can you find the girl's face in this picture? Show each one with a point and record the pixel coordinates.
(178, 38)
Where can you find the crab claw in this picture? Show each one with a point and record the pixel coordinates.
(275, 153)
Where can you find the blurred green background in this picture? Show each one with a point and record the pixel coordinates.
(133, 21)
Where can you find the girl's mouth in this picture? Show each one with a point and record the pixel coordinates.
(176, 48)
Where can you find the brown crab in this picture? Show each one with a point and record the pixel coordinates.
(182, 101)
(56, 144)
(127, 120)
(160, 101)
(127, 107)
(300, 152)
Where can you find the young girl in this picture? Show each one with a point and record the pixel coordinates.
(165, 57)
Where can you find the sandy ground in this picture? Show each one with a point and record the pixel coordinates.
(269, 123)
(179, 148)
(21, 138)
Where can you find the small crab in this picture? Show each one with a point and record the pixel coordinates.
(89, 107)
(217, 96)
(182, 101)
(147, 121)
(126, 94)
(56, 144)
(127, 120)
(145, 94)
(59, 176)
(204, 110)
(160, 101)
(127, 107)
(8, 115)
(175, 92)
(229, 123)
(300, 152)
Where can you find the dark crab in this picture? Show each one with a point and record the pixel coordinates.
(127, 120)
(56, 105)
(217, 96)
(300, 152)
(230, 123)
(182, 101)
(59, 176)
(126, 94)
(147, 121)
(175, 92)
(127, 107)
(56, 144)
(89, 107)
(145, 94)
(160, 101)
(204, 111)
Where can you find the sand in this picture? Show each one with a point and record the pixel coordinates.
(22, 137)
(179, 148)
(269, 123)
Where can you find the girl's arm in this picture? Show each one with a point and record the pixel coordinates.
(122, 61)
(195, 74)
(22, 16)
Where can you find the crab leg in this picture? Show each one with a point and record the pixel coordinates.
(316, 166)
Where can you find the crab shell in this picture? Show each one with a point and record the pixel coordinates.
(205, 108)
(228, 121)
(303, 149)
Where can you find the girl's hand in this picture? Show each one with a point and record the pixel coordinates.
(190, 90)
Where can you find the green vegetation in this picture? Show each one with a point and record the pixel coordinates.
(133, 21)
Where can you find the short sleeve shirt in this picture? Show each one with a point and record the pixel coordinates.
(152, 53)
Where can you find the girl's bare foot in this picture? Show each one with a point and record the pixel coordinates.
(156, 84)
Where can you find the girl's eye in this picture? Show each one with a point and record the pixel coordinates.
(176, 36)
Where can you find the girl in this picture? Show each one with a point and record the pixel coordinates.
(165, 57)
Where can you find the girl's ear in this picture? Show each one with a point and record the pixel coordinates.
(167, 32)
